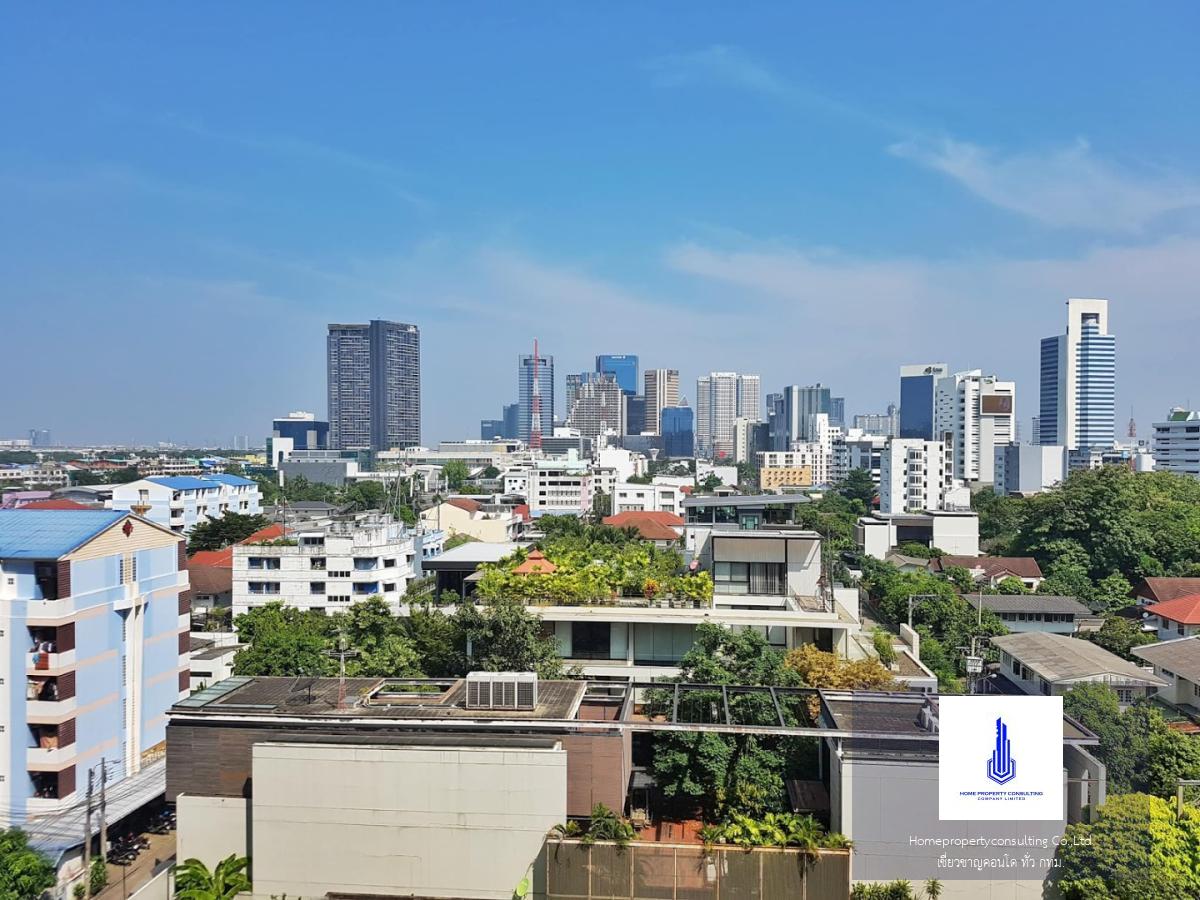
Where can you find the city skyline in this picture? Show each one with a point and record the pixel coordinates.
(246, 211)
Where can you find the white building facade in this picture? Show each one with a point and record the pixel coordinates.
(181, 502)
(1177, 442)
(974, 414)
(916, 476)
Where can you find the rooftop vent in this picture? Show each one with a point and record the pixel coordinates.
(501, 690)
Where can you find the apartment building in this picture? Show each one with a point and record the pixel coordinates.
(327, 567)
(477, 518)
(96, 650)
(630, 497)
(1177, 442)
(975, 414)
(597, 407)
(813, 457)
(917, 475)
(49, 474)
(565, 487)
(182, 502)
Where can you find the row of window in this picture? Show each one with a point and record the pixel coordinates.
(361, 563)
(1036, 617)
(316, 587)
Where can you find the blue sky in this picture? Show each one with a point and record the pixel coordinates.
(188, 194)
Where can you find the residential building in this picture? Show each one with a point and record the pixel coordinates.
(952, 531)
(678, 431)
(182, 502)
(749, 439)
(574, 381)
(598, 408)
(512, 417)
(565, 487)
(1177, 442)
(749, 397)
(791, 464)
(96, 651)
(40, 438)
(374, 378)
(989, 571)
(623, 367)
(1022, 469)
(326, 567)
(661, 392)
(864, 450)
(1079, 380)
(1023, 613)
(625, 463)
(657, 498)
(837, 412)
(211, 658)
(1175, 618)
(663, 529)
(722, 397)
(1039, 662)
(918, 400)
(545, 380)
(918, 475)
(1177, 662)
(484, 521)
(975, 413)
(210, 574)
(799, 405)
(1159, 590)
(43, 474)
(169, 465)
(886, 424)
(779, 478)
(491, 429)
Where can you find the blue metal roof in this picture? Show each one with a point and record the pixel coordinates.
(234, 480)
(50, 533)
(184, 482)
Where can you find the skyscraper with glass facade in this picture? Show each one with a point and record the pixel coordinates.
(918, 399)
(622, 366)
(1079, 381)
(678, 431)
(374, 384)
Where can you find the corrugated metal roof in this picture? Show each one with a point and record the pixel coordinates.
(234, 480)
(1026, 603)
(50, 533)
(1181, 656)
(1057, 657)
(184, 482)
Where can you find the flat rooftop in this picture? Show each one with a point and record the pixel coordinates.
(706, 500)
(384, 698)
(472, 553)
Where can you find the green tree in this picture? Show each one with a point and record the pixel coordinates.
(438, 642)
(858, 485)
(24, 873)
(364, 495)
(384, 649)
(229, 529)
(1136, 848)
(282, 640)
(601, 505)
(960, 577)
(1120, 635)
(194, 881)
(455, 472)
(269, 488)
(124, 476)
(491, 473)
(504, 636)
(97, 876)
(1011, 585)
(709, 484)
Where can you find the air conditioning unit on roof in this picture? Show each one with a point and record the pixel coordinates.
(502, 690)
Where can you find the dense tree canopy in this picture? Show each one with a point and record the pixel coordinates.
(858, 485)
(24, 873)
(1119, 635)
(229, 529)
(455, 472)
(1136, 848)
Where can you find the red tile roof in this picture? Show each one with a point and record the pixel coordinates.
(992, 566)
(270, 533)
(652, 526)
(221, 559)
(1161, 589)
(54, 504)
(1181, 609)
(464, 503)
(535, 564)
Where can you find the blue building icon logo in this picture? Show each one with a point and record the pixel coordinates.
(1002, 768)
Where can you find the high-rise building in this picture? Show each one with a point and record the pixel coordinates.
(1079, 380)
(722, 397)
(511, 416)
(749, 397)
(798, 405)
(490, 429)
(975, 414)
(304, 429)
(635, 413)
(545, 368)
(374, 379)
(678, 431)
(886, 424)
(662, 392)
(40, 437)
(837, 412)
(916, 475)
(1035, 430)
(918, 399)
(599, 408)
(623, 366)
(1177, 442)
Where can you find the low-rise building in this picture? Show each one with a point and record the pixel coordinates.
(96, 651)
(1158, 590)
(781, 478)
(633, 497)
(1177, 662)
(1039, 662)
(663, 529)
(1176, 618)
(43, 474)
(1177, 442)
(991, 570)
(954, 531)
(484, 521)
(327, 568)
(1038, 612)
(815, 458)
(1024, 469)
(182, 502)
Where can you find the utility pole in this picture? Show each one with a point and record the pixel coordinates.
(342, 651)
(103, 816)
(87, 829)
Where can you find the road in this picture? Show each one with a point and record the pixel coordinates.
(125, 880)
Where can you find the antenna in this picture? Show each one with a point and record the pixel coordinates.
(535, 406)
(1132, 424)
(343, 650)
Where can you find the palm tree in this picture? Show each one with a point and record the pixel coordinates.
(933, 889)
(193, 880)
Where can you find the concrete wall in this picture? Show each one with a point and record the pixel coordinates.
(211, 828)
(435, 822)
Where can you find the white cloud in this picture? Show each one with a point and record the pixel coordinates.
(1066, 187)
(715, 64)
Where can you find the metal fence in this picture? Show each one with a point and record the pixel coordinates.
(570, 870)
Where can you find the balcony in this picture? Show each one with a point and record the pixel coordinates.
(49, 759)
(40, 661)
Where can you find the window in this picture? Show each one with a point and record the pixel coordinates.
(1196, 690)
(264, 562)
(316, 587)
(1125, 695)
(389, 563)
(264, 587)
(318, 562)
(389, 587)
(339, 573)
(590, 640)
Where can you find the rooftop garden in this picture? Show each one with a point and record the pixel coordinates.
(591, 564)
